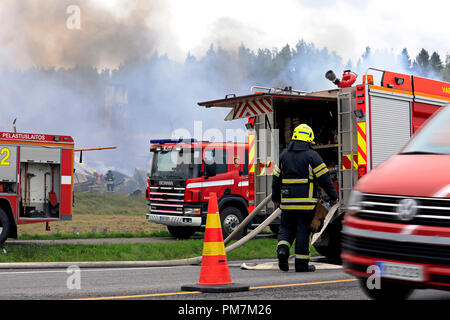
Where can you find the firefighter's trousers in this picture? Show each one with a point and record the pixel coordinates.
(295, 225)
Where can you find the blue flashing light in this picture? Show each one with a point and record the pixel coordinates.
(163, 141)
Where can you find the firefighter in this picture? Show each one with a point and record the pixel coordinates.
(295, 190)
(109, 181)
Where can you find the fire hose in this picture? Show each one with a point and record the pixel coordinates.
(171, 263)
(162, 263)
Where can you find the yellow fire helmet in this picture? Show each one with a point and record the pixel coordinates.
(303, 132)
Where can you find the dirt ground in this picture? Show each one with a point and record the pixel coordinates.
(87, 223)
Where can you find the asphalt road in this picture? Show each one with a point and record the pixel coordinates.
(164, 283)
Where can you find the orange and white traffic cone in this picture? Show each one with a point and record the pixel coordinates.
(214, 273)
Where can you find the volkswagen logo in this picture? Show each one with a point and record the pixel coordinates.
(407, 209)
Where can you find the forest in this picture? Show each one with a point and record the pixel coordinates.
(150, 98)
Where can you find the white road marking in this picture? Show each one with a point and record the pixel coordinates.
(89, 270)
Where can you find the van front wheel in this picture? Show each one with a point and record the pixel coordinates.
(386, 291)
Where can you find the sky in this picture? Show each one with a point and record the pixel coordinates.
(34, 32)
(344, 26)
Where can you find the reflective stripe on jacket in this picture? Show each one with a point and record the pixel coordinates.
(295, 181)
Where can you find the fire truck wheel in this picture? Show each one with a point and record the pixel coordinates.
(4, 226)
(181, 232)
(230, 218)
(386, 291)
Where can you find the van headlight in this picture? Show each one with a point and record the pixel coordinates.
(354, 202)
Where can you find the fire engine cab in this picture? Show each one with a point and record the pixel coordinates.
(36, 180)
(184, 172)
(357, 127)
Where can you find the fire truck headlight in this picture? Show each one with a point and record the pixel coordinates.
(354, 202)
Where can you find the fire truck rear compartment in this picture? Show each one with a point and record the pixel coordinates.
(40, 177)
(333, 121)
(320, 115)
(274, 133)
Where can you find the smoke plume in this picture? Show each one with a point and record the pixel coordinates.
(39, 33)
(103, 82)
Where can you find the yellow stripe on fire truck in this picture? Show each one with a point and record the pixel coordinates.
(262, 168)
(251, 152)
(347, 162)
(362, 143)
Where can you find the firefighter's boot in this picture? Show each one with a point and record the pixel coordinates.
(283, 257)
(303, 266)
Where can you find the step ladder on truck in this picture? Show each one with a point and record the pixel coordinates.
(357, 126)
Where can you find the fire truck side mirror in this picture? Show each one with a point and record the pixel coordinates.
(210, 170)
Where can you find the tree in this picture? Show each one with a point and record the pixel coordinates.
(423, 62)
(405, 60)
(436, 63)
(366, 54)
(282, 58)
(445, 73)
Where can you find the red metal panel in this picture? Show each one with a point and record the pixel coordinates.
(33, 137)
(13, 202)
(251, 108)
(392, 80)
(66, 188)
(360, 98)
(420, 113)
(431, 88)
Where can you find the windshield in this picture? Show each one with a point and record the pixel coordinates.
(176, 164)
(434, 138)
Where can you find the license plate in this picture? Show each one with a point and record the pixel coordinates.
(401, 271)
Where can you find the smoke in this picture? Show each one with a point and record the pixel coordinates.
(101, 81)
(104, 83)
(42, 33)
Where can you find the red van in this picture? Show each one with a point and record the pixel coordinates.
(397, 224)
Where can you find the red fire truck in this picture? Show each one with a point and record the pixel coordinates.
(182, 175)
(36, 180)
(357, 127)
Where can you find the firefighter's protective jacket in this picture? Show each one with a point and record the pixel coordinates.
(109, 178)
(295, 181)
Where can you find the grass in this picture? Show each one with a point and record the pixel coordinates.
(99, 216)
(115, 216)
(254, 249)
(90, 235)
(106, 203)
